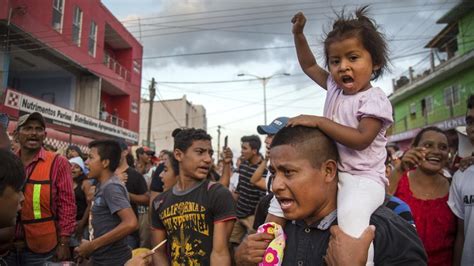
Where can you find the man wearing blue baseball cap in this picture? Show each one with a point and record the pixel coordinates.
(258, 178)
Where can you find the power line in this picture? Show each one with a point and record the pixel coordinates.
(199, 29)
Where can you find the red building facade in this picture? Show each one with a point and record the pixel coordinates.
(74, 62)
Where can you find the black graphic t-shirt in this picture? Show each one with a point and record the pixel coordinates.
(189, 217)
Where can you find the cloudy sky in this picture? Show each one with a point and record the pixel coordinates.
(197, 48)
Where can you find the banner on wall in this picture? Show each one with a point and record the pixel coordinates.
(64, 117)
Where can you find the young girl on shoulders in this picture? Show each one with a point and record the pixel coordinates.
(356, 114)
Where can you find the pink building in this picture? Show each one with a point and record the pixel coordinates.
(74, 62)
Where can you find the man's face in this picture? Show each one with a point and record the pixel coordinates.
(470, 124)
(11, 202)
(31, 135)
(246, 151)
(144, 157)
(303, 191)
(94, 163)
(196, 161)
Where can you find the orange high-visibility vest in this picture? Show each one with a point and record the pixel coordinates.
(37, 215)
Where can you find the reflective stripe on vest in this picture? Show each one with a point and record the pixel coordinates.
(36, 201)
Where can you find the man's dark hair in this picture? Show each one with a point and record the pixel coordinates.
(108, 150)
(309, 141)
(130, 160)
(184, 138)
(253, 140)
(12, 173)
(470, 102)
(417, 139)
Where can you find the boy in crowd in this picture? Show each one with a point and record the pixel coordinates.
(12, 176)
(137, 191)
(248, 194)
(196, 215)
(304, 164)
(112, 217)
(461, 196)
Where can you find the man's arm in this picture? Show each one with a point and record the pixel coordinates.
(66, 206)
(227, 168)
(159, 258)
(128, 224)
(257, 178)
(252, 248)
(220, 249)
(346, 250)
(142, 199)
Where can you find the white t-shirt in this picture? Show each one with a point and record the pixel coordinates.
(234, 181)
(461, 202)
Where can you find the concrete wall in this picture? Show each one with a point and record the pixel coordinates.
(464, 81)
(163, 123)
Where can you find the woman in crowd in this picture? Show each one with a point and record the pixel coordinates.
(169, 175)
(81, 186)
(419, 182)
(74, 151)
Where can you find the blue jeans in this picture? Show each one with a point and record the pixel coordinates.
(26, 257)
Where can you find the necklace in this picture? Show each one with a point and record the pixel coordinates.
(417, 191)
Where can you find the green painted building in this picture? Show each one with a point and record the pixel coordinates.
(436, 95)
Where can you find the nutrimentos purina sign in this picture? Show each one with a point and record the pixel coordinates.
(65, 117)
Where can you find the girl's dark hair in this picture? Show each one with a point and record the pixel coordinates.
(184, 138)
(173, 161)
(366, 30)
(417, 139)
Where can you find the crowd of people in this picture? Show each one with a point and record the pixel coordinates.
(328, 190)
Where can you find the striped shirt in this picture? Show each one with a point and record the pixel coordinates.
(249, 195)
(400, 208)
(64, 202)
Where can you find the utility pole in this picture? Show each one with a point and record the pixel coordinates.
(150, 110)
(218, 142)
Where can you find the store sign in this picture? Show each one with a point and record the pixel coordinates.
(444, 125)
(62, 116)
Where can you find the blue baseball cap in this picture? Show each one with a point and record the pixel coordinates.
(274, 126)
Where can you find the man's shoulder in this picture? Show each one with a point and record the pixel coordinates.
(389, 223)
(384, 214)
(216, 189)
(133, 173)
(112, 184)
(461, 175)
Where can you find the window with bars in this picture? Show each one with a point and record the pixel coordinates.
(58, 11)
(452, 95)
(77, 26)
(427, 105)
(92, 39)
(412, 110)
